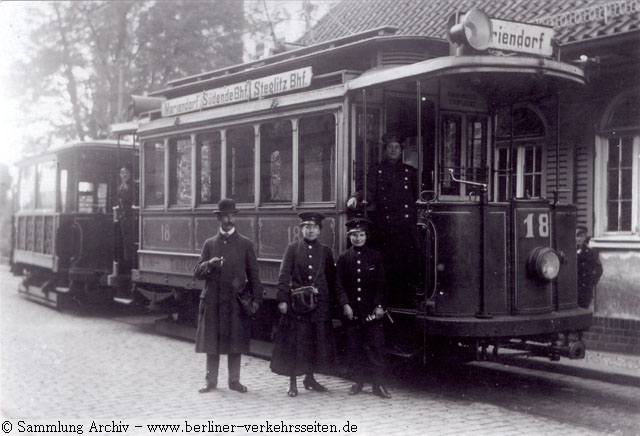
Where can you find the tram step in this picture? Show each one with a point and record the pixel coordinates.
(37, 294)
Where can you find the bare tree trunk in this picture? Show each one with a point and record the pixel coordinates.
(72, 87)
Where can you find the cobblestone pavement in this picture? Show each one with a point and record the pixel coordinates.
(58, 366)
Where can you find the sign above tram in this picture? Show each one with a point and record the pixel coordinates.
(244, 91)
(521, 37)
(476, 30)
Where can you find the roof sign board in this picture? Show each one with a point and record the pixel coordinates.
(521, 37)
(237, 92)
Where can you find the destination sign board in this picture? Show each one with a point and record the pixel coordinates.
(244, 91)
(521, 37)
(460, 97)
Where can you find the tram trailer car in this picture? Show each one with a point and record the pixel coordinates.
(66, 235)
(299, 131)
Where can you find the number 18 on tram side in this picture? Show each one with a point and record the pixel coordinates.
(302, 130)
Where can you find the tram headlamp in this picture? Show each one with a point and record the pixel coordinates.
(473, 30)
(544, 263)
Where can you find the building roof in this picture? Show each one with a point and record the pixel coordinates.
(573, 20)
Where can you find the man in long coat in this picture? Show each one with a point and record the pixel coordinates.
(227, 264)
(589, 268)
(361, 291)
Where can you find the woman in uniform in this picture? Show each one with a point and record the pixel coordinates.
(304, 343)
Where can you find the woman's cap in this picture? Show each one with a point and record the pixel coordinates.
(311, 218)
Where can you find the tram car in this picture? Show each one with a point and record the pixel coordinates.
(66, 240)
(300, 130)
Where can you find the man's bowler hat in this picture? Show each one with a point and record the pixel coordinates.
(581, 230)
(311, 218)
(226, 206)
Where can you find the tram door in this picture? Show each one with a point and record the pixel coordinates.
(397, 113)
(411, 118)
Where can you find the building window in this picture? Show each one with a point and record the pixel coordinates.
(617, 174)
(317, 158)
(154, 173)
(619, 184)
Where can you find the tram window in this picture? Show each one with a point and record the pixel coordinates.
(27, 187)
(451, 154)
(46, 185)
(476, 150)
(154, 173)
(505, 174)
(317, 148)
(209, 168)
(401, 115)
(372, 123)
(102, 198)
(240, 164)
(276, 158)
(85, 197)
(63, 191)
(180, 171)
(532, 174)
(519, 157)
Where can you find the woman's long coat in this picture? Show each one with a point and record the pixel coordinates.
(304, 342)
(223, 327)
(308, 264)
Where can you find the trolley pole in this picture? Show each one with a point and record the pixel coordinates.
(365, 152)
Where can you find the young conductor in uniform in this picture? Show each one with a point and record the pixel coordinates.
(360, 289)
(392, 191)
(228, 261)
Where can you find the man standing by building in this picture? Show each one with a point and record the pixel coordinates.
(360, 289)
(227, 264)
(589, 268)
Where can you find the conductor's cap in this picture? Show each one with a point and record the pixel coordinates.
(311, 218)
(358, 225)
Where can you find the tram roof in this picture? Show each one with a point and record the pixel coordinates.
(451, 65)
(304, 56)
(110, 144)
(481, 66)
